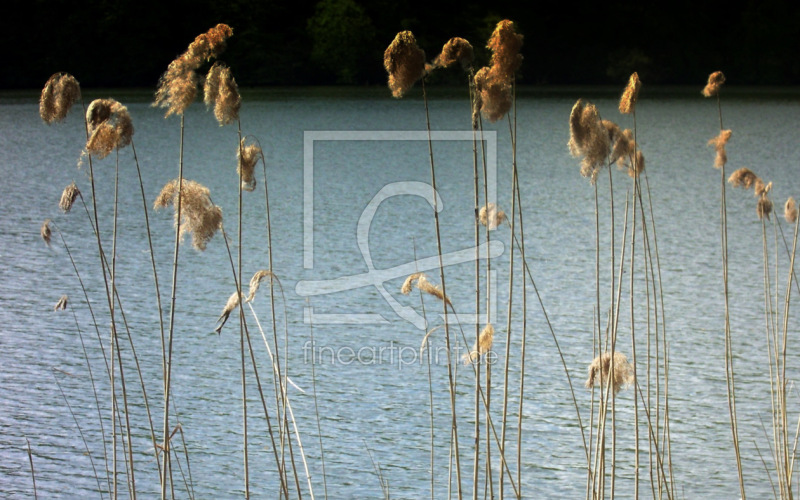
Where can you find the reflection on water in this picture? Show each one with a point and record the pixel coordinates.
(372, 394)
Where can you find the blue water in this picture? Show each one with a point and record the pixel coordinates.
(327, 160)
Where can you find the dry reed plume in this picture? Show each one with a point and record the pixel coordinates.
(60, 92)
(719, 143)
(743, 178)
(493, 95)
(456, 50)
(61, 304)
(790, 211)
(505, 45)
(627, 104)
(247, 156)
(491, 216)
(600, 367)
(588, 138)
(255, 283)
(68, 197)
(493, 83)
(405, 63)
(715, 81)
(421, 282)
(761, 189)
(222, 92)
(110, 127)
(764, 207)
(233, 302)
(485, 340)
(46, 232)
(177, 87)
(199, 215)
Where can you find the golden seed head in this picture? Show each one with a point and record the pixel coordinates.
(233, 302)
(409, 282)
(456, 50)
(248, 156)
(199, 215)
(485, 341)
(719, 143)
(60, 92)
(627, 104)
(495, 94)
(110, 127)
(405, 63)
(68, 197)
(46, 232)
(505, 45)
(744, 178)
(222, 92)
(491, 216)
(715, 81)
(255, 283)
(764, 206)
(600, 368)
(790, 211)
(61, 304)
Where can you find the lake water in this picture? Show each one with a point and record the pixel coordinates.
(340, 158)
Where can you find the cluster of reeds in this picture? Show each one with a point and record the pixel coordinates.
(109, 129)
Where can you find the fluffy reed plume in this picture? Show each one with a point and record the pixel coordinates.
(491, 216)
(255, 282)
(199, 215)
(744, 178)
(60, 92)
(715, 81)
(764, 206)
(110, 127)
(222, 92)
(790, 211)
(505, 45)
(405, 63)
(456, 50)
(61, 304)
(421, 281)
(233, 302)
(599, 370)
(177, 87)
(46, 232)
(762, 189)
(719, 143)
(627, 104)
(494, 95)
(68, 197)
(247, 156)
(480, 348)
(588, 138)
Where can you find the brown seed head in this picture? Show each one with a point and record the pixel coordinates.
(715, 81)
(627, 104)
(199, 215)
(429, 288)
(485, 340)
(46, 232)
(222, 91)
(255, 283)
(764, 206)
(61, 304)
(409, 282)
(248, 156)
(405, 63)
(233, 302)
(505, 45)
(60, 92)
(110, 127)
(600, 368)
(68, 197)
(456, 50)
(719, 143)
(491, 216)
(744, 178)
(495, 94)
(790, 211)
(761, 189)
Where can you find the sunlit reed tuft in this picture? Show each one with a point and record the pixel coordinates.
(491, 216)
(600, 367)
(421, 282)
(485, 340)
(719, 143)
(589, 139)
(409, 283)
(60, 92)
(744, 178)
(715, 81)
(762, 189)
(68, 197)
(199, 215)
(627, 104)
(46, 232)
(764, 206)
(61, 304)
(456, 50)
(255, 283)
(494, 99)
(222, 92)
(505, 45)
(247, 157)
(790, 211)
(110, 127)
(233, 302)
(405, 63)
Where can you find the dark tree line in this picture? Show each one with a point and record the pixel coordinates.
(129, 43)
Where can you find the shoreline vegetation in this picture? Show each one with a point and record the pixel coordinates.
(630, 325)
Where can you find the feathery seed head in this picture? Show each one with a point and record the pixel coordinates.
(485, 340)
(495, 94)
(719, 143)
(456, 50)
(199, 215)
(233, 302)
(68, 197)
(110, 127)
(255, 283)
(627, 104)
(409, 282)
(744, 178)
(600, 368)
(405, 63)
(222, 91)
(505, 45)
(46, 232)
(60, 92)
(61, 304)
(491, 216)
(762, 189)
(790, 211)
(715, 81)
(247, 156)
(764, 206)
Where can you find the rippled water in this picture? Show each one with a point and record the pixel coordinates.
(373, 393)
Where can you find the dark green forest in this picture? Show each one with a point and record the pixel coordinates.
(129, 43)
